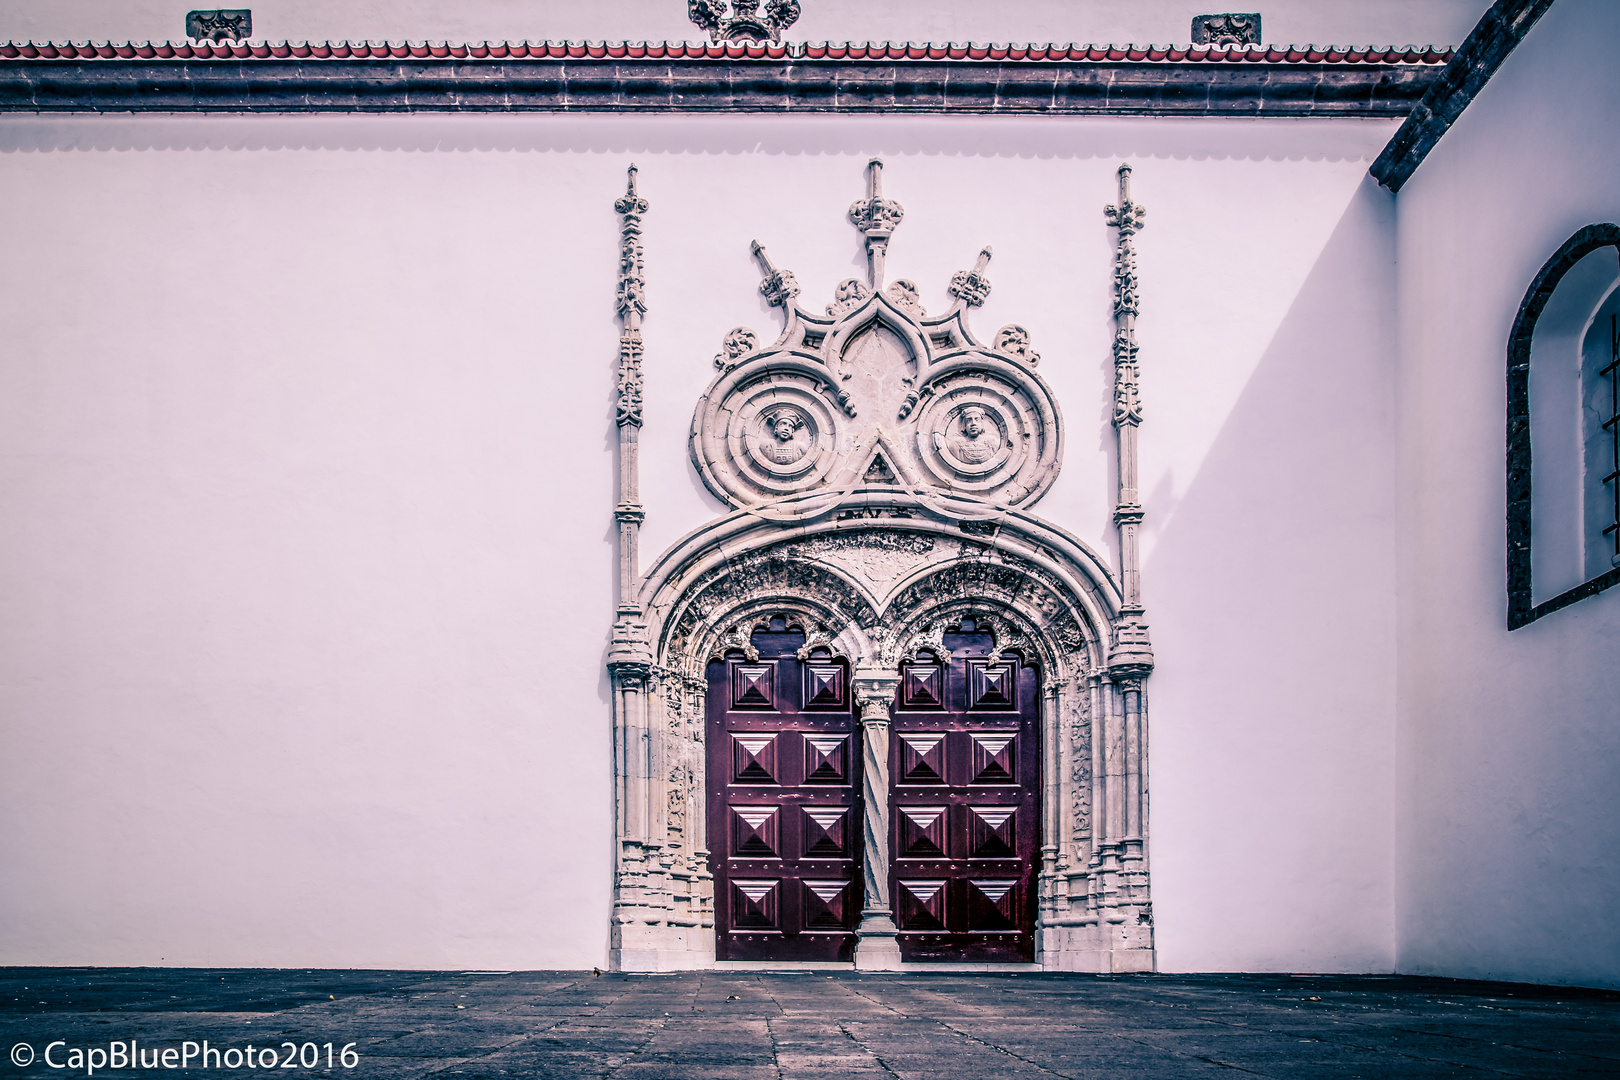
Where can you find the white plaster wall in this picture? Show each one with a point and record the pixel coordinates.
(1509, 791)
(306, 488)
(1342, 22)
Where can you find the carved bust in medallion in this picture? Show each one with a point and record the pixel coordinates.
(787, 441)
(975, 439)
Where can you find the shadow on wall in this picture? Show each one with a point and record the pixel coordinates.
(1037, 137)
(1271, 593)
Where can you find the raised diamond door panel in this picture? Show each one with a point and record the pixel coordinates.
(965, 803)
(992, 687)
(826, 833)
(784, 802)
(826, 759)
(993, 757)
(922, 757)
(825, 686)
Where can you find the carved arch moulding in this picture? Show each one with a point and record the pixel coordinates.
(880, 464)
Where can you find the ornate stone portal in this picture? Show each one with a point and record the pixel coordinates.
(881, 463)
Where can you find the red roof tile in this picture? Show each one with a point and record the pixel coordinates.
(679, 50)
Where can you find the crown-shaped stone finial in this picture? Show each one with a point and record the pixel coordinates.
(745, 22)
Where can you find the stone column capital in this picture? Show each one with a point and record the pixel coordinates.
(874, 693)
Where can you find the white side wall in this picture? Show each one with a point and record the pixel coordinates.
(1509, 789)
(306, 487)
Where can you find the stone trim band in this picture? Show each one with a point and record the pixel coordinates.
(607, 85)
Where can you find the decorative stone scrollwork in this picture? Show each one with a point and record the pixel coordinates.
(876, 216)
(739, 342)
(745, 22)
(735, 638)
(905, 296)
(1013, 340)
(875, 393)
(930, 638)
(972, 287)
(1229, 28)
(220, 24)
(629, 404)
(849, 294)
(632, 301)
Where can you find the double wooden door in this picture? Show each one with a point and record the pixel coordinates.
(786, 815)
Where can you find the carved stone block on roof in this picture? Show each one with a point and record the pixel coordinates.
(876, 392)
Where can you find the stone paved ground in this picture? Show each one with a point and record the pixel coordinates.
(812, 1026)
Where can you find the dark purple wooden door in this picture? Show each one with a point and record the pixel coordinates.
(784, 804)
(965, 804)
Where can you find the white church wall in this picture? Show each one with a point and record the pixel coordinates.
(308, 481)
(1508, 801)
(1271, 590)
(1299, 22)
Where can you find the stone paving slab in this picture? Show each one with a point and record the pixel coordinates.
(745, 1025)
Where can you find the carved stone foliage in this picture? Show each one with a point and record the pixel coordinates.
(756, 582)
(874, 594)
(744, 22)
(1230, 28)
(632, 300)
(1077, 717)
(220, 24)
(972, 287)
(1013, 340)
(878, 556)
(1128, 217)
(1026, 610)
(739, 342)
(793, 429)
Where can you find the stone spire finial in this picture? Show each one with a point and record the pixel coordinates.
(876, 218)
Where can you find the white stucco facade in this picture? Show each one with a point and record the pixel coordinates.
(307, 478)
(1508, 748)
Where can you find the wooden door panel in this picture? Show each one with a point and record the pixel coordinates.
(965, 805)
(784, 804)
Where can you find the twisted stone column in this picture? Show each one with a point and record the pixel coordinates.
(877, 949)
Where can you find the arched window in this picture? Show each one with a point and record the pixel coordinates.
(1563, 430)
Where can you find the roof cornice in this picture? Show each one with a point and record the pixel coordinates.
(688, 77)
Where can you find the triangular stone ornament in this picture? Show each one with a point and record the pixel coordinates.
(879, 472)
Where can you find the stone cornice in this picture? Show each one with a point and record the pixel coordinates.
(609, 85)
